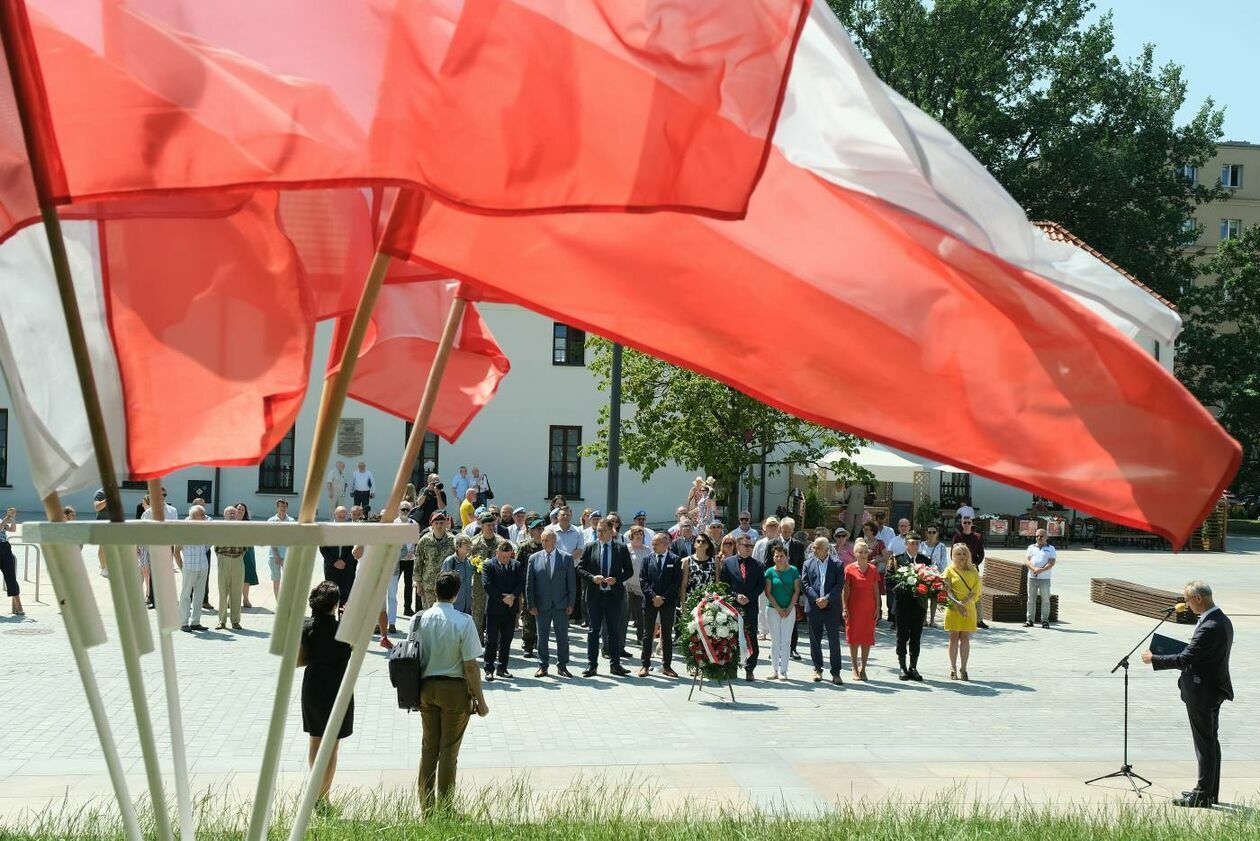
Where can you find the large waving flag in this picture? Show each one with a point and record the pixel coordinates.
(501, 105)
(400, 348)
(880, 244)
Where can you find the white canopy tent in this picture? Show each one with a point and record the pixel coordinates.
(888, 465)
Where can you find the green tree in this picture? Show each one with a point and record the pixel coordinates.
(1218, 355)
(1074, 133)
(683, 418)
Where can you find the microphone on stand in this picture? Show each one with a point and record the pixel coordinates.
(1179, 607)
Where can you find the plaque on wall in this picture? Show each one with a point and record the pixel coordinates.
(350, 437)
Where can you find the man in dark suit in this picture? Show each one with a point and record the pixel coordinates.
(661, 578)
(685, 544)
(550, 590)
(823, 580)
(744, 575)
(911, 611)
(1204, 684)
(503, 580)
(605, 567)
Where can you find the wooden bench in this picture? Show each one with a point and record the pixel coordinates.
(1137, 598)
(1005, 594)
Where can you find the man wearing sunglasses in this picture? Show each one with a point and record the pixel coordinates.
(745, 529)
(746, 578)
(967, 533)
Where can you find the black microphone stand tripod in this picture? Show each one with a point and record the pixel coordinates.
(1126, 770)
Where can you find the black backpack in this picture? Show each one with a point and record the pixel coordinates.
(405, 666)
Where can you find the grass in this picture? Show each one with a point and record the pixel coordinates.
(1244, 526)
(591, 810)
(633, 811)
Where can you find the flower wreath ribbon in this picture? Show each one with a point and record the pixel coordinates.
(705, 635)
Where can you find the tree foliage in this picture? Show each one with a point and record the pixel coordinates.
(1074, 133)
(676, 416)
(1218, 356)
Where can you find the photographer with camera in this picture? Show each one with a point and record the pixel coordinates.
(431, 498)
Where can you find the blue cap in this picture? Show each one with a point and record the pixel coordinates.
(516, 511)
(639, 513)
(555, 512)
(481, 509)
(597, 513)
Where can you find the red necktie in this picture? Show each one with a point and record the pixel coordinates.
(743, 569)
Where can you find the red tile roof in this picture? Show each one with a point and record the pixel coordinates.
(1058, 233)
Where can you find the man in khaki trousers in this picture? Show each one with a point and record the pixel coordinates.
(450, 691)
(231, 578)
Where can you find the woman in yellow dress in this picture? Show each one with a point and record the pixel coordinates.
(963, 582)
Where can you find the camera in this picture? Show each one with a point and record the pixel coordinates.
(440, 486)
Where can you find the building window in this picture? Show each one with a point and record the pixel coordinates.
(428, 461)
(564, 465)
(4, 446)
(1189, 230)
(955, 489)
(1189, 173)
(568, 346)
(1231, 229)
(275, 474)
(1231, 175)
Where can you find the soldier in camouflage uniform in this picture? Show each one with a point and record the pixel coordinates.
(531, 544)
(484, 544)
(435, 546)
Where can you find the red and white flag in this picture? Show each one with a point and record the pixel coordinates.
(399, 351)
(502, 105)
(876, 248)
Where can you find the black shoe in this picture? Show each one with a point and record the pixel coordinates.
(503, 672)
(393, 629)
(1045, 624)
(407, 611)
(619, 671)
(982, 625)
(625, 655)
(187, 629)
(794, 655)
(590, 671)
(528, 653)
(914, 674)
(489, 676)
(1195, 802)
(199, 627)
(1193, 794)
(835, 678)
(1026, 625)
(904, 675)
(207, 606)
(563, 671)
(748, 675)
(605, 655)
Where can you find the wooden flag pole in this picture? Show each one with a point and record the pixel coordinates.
(363, 635)
(91, 689)
(163, 584)
(37, 133)
(290, 606)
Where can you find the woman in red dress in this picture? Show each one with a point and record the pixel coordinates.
(860, 601)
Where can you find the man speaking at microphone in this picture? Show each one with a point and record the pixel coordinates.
(1204, 684)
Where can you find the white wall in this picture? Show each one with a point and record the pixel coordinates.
(508, 440)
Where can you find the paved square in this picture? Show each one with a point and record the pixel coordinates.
(1043, 707)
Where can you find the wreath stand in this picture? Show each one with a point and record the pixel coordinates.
(697, 682)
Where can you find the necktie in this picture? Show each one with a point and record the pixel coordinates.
(607, 552)
(743, 569)
(551, 564)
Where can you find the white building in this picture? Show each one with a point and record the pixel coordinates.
(545, 408)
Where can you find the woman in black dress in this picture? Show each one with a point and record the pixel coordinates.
(325, 660)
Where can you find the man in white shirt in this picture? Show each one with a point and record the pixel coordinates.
(460, 484)
(275, 554)
(1039, 560)
(744, 529)
(897, 545)
(590, 532)
(517, 531)
(771, 532)
(337, 485)
(883, 531)
(143, 551)
(450, 690)
(362, 485)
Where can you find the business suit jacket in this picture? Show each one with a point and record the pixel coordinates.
(661, 579)
(823, 578)
(1204, 663)
(753, 586)
(681, 547)
(796, 555)
(499, 580)
(620, 568)
(554, 591)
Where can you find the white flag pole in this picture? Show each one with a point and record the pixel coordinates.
(83, 630)
(358, 630)
(162, 579)
(286, 633)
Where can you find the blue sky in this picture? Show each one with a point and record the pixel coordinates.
(1215, 43)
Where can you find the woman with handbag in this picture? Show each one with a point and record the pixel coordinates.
(325, 659)
(962, 581)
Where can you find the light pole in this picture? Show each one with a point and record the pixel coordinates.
(614, 429)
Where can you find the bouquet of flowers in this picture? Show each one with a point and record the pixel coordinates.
(708, 631)
(477, 562)
(920, 580)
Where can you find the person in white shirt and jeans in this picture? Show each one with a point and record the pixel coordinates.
(363, 488)
(1039, 560)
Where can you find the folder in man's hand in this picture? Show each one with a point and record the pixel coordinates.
(1162, 645)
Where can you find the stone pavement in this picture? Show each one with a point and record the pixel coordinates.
(1041, 713)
